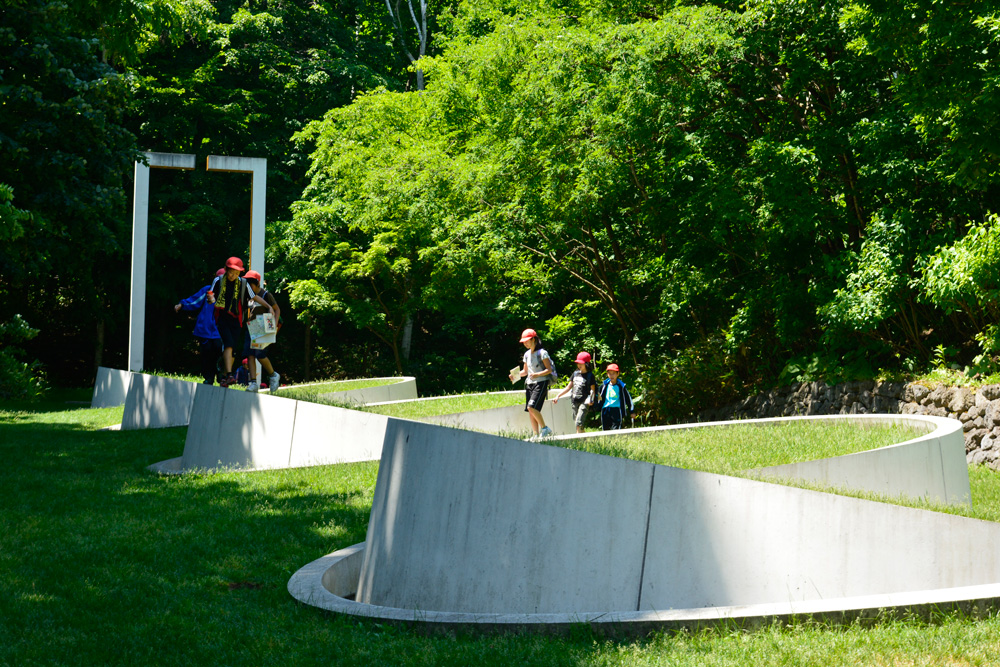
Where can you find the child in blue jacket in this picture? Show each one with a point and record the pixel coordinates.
(615, 401)
(209, 340)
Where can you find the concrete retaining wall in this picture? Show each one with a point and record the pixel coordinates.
(403, 388)
(508, 420)
(110, 388)
(931, 466)
(473, 523)
(238, 429)
(157, 402)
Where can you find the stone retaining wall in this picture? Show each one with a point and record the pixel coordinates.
(977, 409)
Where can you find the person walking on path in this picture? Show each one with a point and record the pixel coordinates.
(615, 401)
(231, 295)
(261, 355)
(537, 372)
(583, 384)
(209, 341)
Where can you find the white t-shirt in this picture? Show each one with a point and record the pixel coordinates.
(535, 363)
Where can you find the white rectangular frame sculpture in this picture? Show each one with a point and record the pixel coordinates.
(140, 232)
(257, 166)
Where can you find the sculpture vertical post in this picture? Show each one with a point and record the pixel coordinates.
(140, 231)
(257, 168)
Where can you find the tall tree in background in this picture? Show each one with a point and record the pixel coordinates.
(65, 153)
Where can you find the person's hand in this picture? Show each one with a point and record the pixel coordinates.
(177, 308)
(555, 400)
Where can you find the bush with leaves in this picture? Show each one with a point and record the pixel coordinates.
(18, 379)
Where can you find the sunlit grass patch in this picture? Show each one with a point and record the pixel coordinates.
(733, 448)
(448, 405)
(313, 392)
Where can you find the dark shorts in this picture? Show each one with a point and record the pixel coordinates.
(230, 331)
(535, 395)
(249, 352)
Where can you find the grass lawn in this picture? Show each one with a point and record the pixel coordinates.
(104, 563)
(448, 405)
(311, 392)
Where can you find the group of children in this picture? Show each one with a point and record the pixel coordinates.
(538, 372)
(225, 308)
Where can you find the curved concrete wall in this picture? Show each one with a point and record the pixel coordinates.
(110, 387)
(509, 419)
(931, 466)
(157, 402)
(404, 388)
(237, 429)
(470, 526)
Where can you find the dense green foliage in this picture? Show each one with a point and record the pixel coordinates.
(718, 196)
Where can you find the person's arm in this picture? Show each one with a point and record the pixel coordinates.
(593, 391)
(193, 302)
(547, 371)
(274, 307)
(562, 393)
(213, 294)
(263, 303)
(627, 400)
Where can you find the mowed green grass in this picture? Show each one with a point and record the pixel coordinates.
(448, 405)
(312, 392)
(105, 563)
(737, 447)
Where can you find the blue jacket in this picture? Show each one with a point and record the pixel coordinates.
(204, 326)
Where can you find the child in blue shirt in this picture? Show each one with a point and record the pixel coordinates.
(615, 401)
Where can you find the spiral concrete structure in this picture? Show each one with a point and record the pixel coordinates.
(476, 531)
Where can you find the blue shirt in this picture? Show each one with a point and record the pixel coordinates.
(204, 325)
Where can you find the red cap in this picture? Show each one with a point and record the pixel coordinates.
(612, 367)
(583, 358)
(220, 272)
(253, 275)
(235, 263)
(528, 334)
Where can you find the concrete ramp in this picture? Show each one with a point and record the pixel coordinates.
(157, 402)
(110, 388)
(395, 389)
(232, 429)
(507, 420)
(474, 530)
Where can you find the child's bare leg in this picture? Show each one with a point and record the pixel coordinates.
(537, 421)
(265, 364)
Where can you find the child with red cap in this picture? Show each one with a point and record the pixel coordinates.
(615, 401)
(537, 373)
(583, 384)
(230, 296)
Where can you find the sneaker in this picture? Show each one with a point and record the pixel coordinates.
(253, 386)
(227, 380)
(273, 382)
(545, 432)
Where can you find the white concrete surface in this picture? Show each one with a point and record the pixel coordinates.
(110, 387)
(466, 521)
(473, 529)
(932, 466)
(238, 429)
(157, 402)
(231, 429)
(140, 233)
(257, 168)
(394, 389)
(330, 581)
(511, 419)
